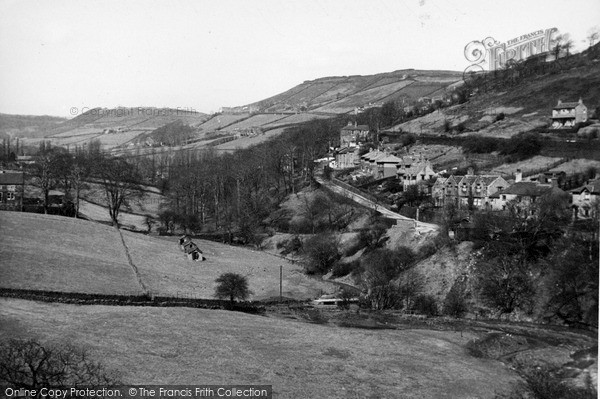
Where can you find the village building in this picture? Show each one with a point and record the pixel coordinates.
(11, 190)
(568, 114)
(586, 200)
(475, 190)
(525, 194)
(346, 157)
(386, 166)
(414, 171)
(369, 161)
(352, 134)
(470, 190)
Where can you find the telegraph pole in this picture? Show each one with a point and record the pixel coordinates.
(280, 283)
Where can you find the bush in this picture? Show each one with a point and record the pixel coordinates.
(455, 304)
(33, 365)
(499, 117)
(343, 269)
(543, 383)
(426, 304)
(320, 253)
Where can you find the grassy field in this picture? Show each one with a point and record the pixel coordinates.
(577, 166)
(62, 254)
(196, 346)
(527, 166)
(72, 255)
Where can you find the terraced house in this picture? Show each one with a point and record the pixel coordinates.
(11, 190)
(468, 191)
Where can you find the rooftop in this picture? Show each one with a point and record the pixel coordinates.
(11, 178)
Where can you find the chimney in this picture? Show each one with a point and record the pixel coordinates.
(559, 102)
(518, 176)
(470, 171)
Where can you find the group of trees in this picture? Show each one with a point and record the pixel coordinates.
(516, 148)
(57, 168)
(235, 192)
(538, 262)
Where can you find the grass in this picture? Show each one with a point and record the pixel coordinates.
(535, 163)
(62, 254)
(72, 255)
(300, 360)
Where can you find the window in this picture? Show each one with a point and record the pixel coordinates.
(0, 196)
(504, 197)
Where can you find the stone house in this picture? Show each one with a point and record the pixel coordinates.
(11, 190)
(586, 200)
(566, 115)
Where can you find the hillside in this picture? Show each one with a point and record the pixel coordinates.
(45, 252)
(115, 127)
(342, 94)
(27, 125)
(527, 104)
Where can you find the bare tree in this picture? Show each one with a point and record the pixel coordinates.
(31, 365)
(120, 181)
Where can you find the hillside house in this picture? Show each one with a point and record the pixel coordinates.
(566, 115)
(369, 161)
(11, 190)
(414, 171)
(352, 134)
(525, 194)
(386, 165)
(347, 157)
(586, 200)
(476, 190)
(471, 189)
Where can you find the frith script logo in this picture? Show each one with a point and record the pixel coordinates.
(490, 55)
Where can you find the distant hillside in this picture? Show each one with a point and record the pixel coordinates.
(27, 125)
(115, 127)
(526, 101)
(342, 94)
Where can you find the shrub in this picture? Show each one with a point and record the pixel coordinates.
(33, 365)
(543, 383)
(426, 304)
(455, 304)
(499, 117)
(343, 269)
(320, 253)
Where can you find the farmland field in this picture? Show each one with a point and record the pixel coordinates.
(62, 254)
(294, 119)
(90, 257)
(576, 166)
(246, 142)
(255, 120)
(218, 121)
(527, 166)
(199, 346)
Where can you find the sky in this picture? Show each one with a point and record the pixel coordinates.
(62, 57)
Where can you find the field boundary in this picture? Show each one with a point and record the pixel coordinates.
(80, 298)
